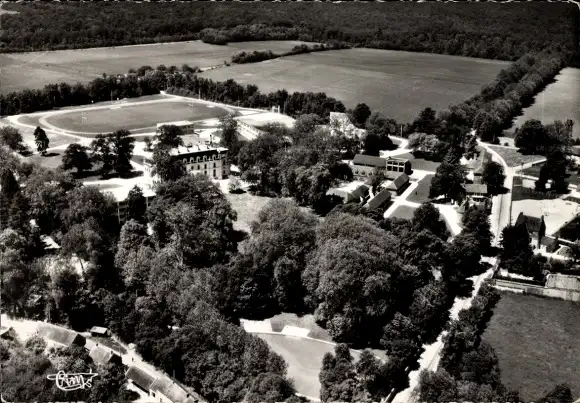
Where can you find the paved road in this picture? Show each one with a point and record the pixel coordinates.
(500, 217)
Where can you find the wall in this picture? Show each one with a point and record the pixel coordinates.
(538, 290)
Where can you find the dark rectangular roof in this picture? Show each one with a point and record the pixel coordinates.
(7, 332)
(381, 198)
(369, 160)
(401, 180)
(534, 224)
(60, 335)
(471, 188)
(139, 377)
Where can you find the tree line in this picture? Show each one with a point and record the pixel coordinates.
(469, 368)
(494, 31)
(261, 55)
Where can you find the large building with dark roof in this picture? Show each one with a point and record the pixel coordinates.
(59, 335)
(535, 226)
(140, 378)
(364, 166)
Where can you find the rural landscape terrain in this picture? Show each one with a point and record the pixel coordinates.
(290, 201)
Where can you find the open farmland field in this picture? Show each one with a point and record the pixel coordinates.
(559, 101)
(536, 341)
(36, 69)
(399, 84)
(131, 116)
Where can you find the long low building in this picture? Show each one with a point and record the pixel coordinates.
(349, 192)
(186, 126)
(250, 126)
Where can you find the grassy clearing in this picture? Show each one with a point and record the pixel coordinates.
(51, 160)
(37, 69)
(132, 117)
(421, 192)
(404, 212)
(307, 321)
(573, 179)
(247, 207)
(513, 157)
(399, 84)
(536, 340)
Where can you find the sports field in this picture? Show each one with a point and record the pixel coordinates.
(304, 359)
(132, 117)
(398, 84)
(536, 341)
(36, 69)
(559, 101)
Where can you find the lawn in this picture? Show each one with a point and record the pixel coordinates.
(51, 160)
(536, 340)
(556, 212)
(304, 359)
(133, 117)
(513, 158)
(421, 192)
(37, 69)
(559, 101)
(399, 84)
(420, 164)
(404, 212)
(247, 206)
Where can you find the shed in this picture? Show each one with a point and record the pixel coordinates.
(60, 335)
(380, 200)
(7, 333)
(100, 331)
(399, 183)
(104, 356)
(139, 378)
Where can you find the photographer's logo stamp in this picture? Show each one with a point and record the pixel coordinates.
(68, 382)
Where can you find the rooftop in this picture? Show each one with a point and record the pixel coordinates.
(101, 355)
(170, 389)
(351, 186)
(534, 224)
(381, 198)
(99, 329)
(471, 188)
(59, 335)
(262, 119)
(399, 182)
(139, 377)
(177, 123)
(369, 160)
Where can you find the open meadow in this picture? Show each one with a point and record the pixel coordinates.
(559, 101)
(536, 341)
(399, 84)
(37, 69)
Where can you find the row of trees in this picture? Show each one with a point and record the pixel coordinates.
(261, 55)
(498, 31)
(469, 368)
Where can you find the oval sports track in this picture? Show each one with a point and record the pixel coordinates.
(135, 117)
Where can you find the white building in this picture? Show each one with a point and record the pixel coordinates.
(186, 126)
(339, 123)
(203, 159)
(249, 125)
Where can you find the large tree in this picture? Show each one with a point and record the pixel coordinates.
(167, 167)
(11, 137)
(448, 181)
(170, 136)
(136, 205)
(122, 146)
(360, 114)
(102, 154)
(75, 156)
(493, 176)
(229, 135)
(41, 140)
(517, 251)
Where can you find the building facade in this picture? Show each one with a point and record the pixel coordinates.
(364, 166)
(200, 159)
(186, 126)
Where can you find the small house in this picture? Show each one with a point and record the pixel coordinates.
(398, 184)
(104, 356)
(380, 201)
(60, 335)
(351, 192)
(535, 226)
(165, 390)
(140, 378)
(477, 191)
(97, 331)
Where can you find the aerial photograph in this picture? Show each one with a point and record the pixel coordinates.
(266, 201)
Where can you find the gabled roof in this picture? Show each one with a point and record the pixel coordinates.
(60, 335)
(101, 355)
(392, 175)
(170, 389)
(381, 198)
(7, 332)
(471, 188)
(369, 160)
(399, 182)
(139, 377)
(534, 224)
(398, 159)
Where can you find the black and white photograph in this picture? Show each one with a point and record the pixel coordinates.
(298, 201)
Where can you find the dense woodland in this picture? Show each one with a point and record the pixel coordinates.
(487, 30)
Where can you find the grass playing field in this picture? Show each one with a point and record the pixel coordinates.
(36, 69)
(536, 341)
(304, 359)
(131, 117)
(513, 158)
(398, 84)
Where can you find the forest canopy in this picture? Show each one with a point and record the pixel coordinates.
(478, 29)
